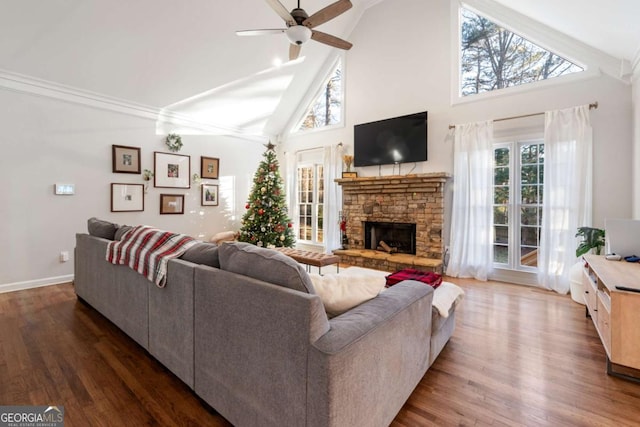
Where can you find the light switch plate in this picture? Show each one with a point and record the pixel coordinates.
(65, 189)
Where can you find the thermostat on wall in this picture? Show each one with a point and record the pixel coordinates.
(65, 189)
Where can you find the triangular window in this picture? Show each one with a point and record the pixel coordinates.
(495, 58)
(326, 109)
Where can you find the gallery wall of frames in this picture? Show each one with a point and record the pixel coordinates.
(172, 172)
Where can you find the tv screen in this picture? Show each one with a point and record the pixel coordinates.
(397, 140)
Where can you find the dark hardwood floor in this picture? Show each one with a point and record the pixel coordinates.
(519, 356)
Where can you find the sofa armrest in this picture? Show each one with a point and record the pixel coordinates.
(366, 317)
(366, 366)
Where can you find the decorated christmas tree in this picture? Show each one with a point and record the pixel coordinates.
(266, 222)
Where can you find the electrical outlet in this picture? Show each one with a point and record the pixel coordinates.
(64, 256)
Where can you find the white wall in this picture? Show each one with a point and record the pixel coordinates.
(402, 62)
(636, 141)
(47, 141)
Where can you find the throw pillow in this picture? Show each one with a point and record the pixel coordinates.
(264, 264)
(202, 253)
(341, 292)
(100, 228)
(224, 236)
(121, 230)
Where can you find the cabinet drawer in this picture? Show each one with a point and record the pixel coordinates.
(604, 325)
(590, 296)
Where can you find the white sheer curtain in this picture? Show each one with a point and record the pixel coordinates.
(290, 189)
(332, 165)
(471, 234)
(567, 193)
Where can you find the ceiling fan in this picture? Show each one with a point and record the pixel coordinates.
(299, 26)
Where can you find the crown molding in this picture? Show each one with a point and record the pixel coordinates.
(164, 118)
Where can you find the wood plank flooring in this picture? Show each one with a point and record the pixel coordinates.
(520, 356)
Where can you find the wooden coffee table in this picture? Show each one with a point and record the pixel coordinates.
(311, 258)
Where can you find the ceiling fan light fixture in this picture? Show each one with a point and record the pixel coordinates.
(298, 34)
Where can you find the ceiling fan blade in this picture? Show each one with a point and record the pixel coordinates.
(330, 40)
(260, 32)
(282, 12)
(294, 51)
(328, 13)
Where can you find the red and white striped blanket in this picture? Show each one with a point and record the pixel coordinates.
(147, 250)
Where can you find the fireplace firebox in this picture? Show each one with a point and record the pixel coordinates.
(399, 236)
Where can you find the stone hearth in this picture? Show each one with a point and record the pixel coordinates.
(415, 199)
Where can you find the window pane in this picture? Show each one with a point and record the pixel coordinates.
(501, 156)
(320, 184)
(529, 175)
(501, 195)
(493, 57)
(529, 194)
(327, 107)
(501, 254)
(529, 236)
(529, 256)
(529, 154)
(500, 215)
(529, 216)
(320, 237)
(501, 234)
(501, 176)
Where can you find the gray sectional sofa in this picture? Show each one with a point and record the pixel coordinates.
(243, 327)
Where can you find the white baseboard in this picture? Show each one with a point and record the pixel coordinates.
(30, 284)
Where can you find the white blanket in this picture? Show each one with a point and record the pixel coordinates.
(445, 296)
(355, 285)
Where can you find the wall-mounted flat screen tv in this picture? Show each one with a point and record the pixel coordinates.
(391, 141)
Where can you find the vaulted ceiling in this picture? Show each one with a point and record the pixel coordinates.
(186, 57)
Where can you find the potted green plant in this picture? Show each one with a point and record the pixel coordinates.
(592, 240)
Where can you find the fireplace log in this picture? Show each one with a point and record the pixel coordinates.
(388, 249)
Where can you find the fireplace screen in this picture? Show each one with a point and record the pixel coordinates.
(392, 237)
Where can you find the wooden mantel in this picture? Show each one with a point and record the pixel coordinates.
(394, 183)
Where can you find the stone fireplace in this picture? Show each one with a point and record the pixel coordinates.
(416, 201)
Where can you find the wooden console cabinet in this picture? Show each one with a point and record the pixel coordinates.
(615, 311)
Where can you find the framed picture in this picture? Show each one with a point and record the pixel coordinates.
(209, 167)
(127, 197)
(125, 159)
(209, 195)
(171, 170)
(172, 204)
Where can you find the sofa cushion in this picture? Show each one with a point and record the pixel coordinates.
(341, 292)
(121, 230)
(202, 253)
(264, 264)
(101, 228)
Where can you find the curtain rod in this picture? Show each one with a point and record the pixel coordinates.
(591, 106)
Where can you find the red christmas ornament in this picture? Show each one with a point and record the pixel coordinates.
(260, 211)
(247, 206)
(289, 225)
